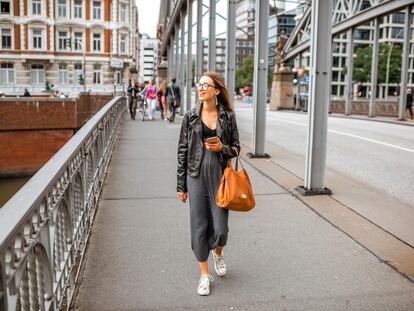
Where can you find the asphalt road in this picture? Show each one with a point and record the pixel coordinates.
(380, 155)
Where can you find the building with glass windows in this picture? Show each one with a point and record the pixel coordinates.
(244, 48)
(391, 33)
(67, 43)
(148, 59)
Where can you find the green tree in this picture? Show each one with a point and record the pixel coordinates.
(244, 74)
(362, 64)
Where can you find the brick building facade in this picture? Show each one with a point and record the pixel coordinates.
(52, 40)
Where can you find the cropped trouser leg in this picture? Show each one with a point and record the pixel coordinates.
(209, 223)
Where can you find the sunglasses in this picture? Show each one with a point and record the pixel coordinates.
(203, 86)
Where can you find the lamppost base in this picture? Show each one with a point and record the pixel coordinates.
(310, 192)
(258, 156)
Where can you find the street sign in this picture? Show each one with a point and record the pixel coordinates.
(306, 79)
(117, 63)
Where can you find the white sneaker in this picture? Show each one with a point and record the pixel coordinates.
(219, 264)
(204, 285)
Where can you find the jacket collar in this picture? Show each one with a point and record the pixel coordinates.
(195, 119)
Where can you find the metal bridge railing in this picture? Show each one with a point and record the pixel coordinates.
(44, 228)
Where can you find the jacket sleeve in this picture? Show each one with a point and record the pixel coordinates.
(182, 156)
(229, 151)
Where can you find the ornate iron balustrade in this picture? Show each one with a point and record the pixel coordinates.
(44, 228)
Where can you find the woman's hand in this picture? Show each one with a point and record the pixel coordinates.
(182, 196)
(216, 147)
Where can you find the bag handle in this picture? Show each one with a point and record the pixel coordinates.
(237, 159)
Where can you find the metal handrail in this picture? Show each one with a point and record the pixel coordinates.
(44, 226)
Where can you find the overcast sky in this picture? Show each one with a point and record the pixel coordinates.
(148, 11)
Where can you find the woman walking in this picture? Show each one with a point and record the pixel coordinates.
(162, 100)
(150, 94)
(200, 168)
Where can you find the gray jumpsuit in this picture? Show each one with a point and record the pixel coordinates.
(209, 223)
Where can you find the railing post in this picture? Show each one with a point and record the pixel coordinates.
(374, 70)
(349, 74)
(182, 61)
(199, 56)
(212, 37)
(189, 53)
(231, 48)
(405, 61)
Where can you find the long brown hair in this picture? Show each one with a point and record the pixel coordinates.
(223, 97)
(163, 86)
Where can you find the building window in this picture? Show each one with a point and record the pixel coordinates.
(37, 7)
(38, 74)
(78, 9)
(6, 39)
(123, 43)
(118, 77)
(6, 74)
(78, 73)
(5, 7)
(78, 41)
(96, 10)
(37, 39)
(123, 17)
(96, 74)
(63, 74)
(62, 37)
(61, 8)
(397, 33)
(96, 42)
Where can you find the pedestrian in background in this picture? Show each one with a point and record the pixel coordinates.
(409, 105)
(200, 169)
(161, 99)
(150, 95)
(173, 97)
(133, 92)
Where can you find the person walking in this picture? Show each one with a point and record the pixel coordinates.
(173, 97)
(133, 92)
(150, 94)
(409, 105)
(161, 99)
(200, 169)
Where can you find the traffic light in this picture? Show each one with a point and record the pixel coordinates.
(68, 43)
(52, 87)
(295, 78)
(47, 86)
(81, 79)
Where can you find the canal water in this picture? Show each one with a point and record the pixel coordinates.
(9, 186)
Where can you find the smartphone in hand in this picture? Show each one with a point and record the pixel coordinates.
(213, 140)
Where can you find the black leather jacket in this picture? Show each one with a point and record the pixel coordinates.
(191, 146)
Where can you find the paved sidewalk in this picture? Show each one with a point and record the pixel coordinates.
(281, 256)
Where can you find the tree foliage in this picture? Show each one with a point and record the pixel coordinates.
(362, 64)
(244, 74)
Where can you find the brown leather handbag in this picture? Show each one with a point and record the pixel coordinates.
(235, 190)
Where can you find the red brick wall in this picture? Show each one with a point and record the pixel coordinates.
(37, 114)
(24, 152)
(16, 6)
(107, 10)
(33, 130)
(17, 37)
